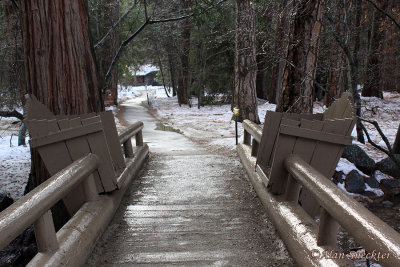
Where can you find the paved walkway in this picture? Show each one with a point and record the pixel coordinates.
(190, 207)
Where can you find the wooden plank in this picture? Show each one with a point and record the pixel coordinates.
(90, 119)
(98, 145)
(284, 147)
(87, 116)
(55, 156)
(68, 133)
(316, 135)
(268, 138)
(341, 148)
(79, 147)
(77, 195)
(36, 110)
(291, 116)
(317, 117)
(340, 108)
(304, 148)
(110, 130)
(328, 114)
(324, 160)
(349, 112)
(67, 117)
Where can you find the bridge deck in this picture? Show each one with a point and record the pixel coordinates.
(189, 207)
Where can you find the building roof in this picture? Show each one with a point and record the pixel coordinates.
(144, 70)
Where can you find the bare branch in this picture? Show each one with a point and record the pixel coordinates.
(372, 2)
(123, 44)
(389, 150)
(99, 43)
(12, 114)
(147, 22)
(145, 10)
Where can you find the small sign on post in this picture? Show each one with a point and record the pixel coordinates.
(236, 115)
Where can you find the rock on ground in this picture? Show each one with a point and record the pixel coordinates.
(357, 155)
(354, 182)
(388, 167)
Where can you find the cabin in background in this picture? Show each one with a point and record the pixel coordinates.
(145, 75)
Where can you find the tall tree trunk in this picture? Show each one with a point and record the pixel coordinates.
(391, 55)
(335, 84)
(281, 45)
(335, 80)
(374, 82)
(299, 73)
(59, 66)
(263, 82)
(354, 69)
(244, 95)
(14, 40)
(262, 78)
(184, 81)
(110, 48)
(172, 73)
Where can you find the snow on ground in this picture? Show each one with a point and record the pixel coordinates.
(387, 113)
(210, 125)
(213, 125)
(126, 92)
(14, 160)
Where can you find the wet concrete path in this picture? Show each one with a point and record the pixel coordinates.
(190, 207)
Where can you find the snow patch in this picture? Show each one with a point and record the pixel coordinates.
(346, 167)
(14, 164)
(376, 191)
(380, 176)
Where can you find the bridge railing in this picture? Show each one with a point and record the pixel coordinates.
(34, 207)
(314, 243)
(73, 242)
(127, 133)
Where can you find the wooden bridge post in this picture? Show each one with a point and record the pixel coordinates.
(45, 233)
(254, 148)
(246, 138)
(328, 230)
(139, 138)
(128, 149)
(292, 189)
(89, 188)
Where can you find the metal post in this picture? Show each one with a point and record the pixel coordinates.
(236, 114)
(236, 130)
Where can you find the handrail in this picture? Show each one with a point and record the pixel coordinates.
(125, 137)
(130, 131)
(253, 129)
(370, 231)
(381, 242)
(66, 246)
(36, 203)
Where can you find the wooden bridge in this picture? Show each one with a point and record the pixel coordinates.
(192, 207)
